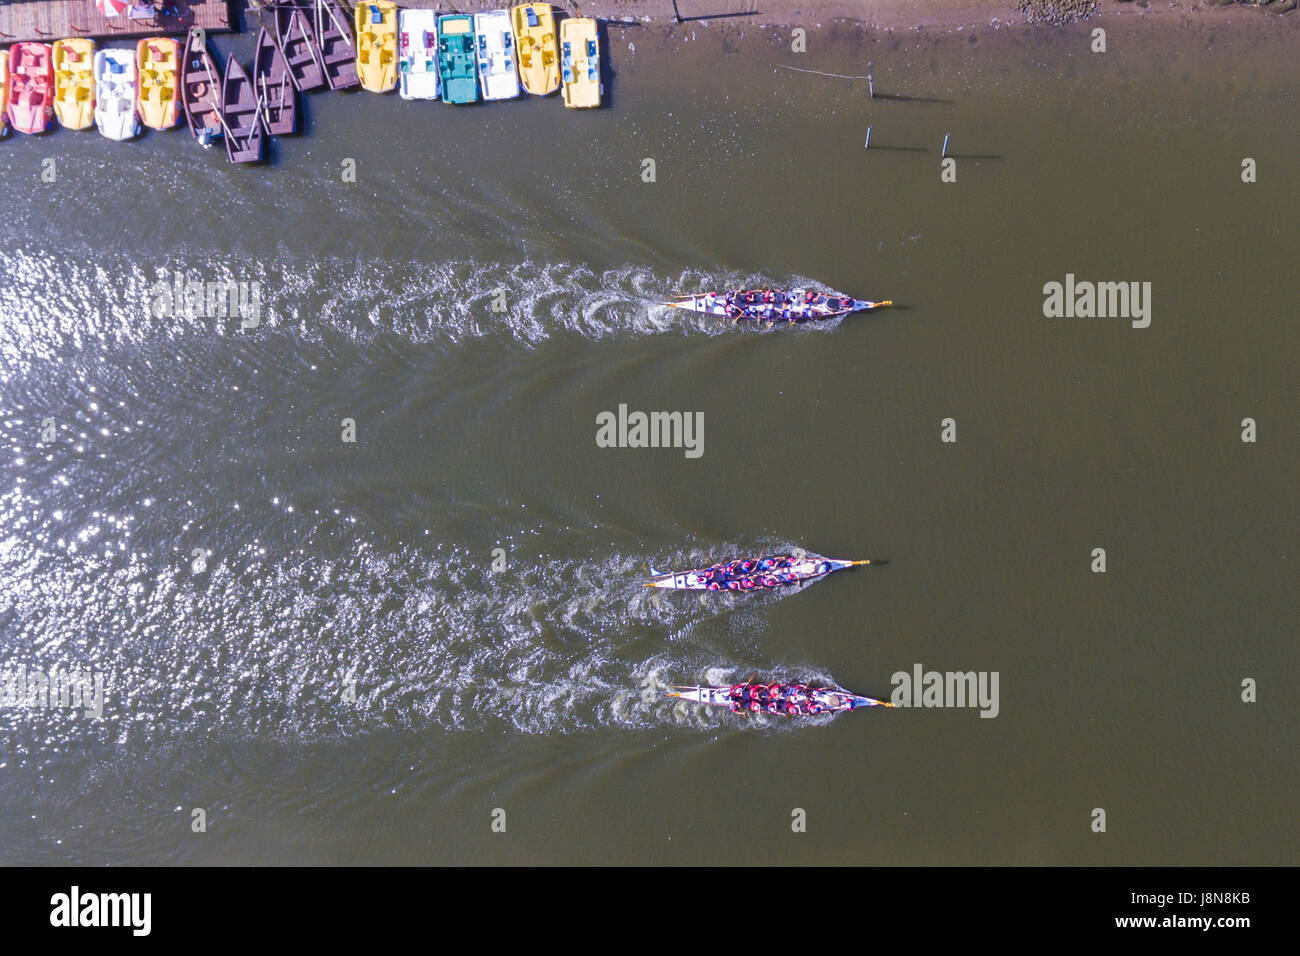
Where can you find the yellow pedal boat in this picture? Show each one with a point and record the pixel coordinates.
(74, 83)
(157, 99)
(376, 22)
(535, 47)
(580, 63)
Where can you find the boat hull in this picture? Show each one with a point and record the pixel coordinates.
(4, 93)
(338, 45)
(495, 47)
(297, 40)
(580, 63)
(157, 61)
(536, 50)
(376, 24)
(74, 83)
(273, 84)
(456, 59)
(417, 55)
(775, 305)
(115, 114)
(29, 99)
(806, 702)
(200, 91)
(241, 114)
(786, 570)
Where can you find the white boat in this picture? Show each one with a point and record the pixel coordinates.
(495, 45)
(115, 115)
(417, 55)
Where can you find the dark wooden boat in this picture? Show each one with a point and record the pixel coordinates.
(337, 44)
(297, 41)
(239, 110)
(200, 90)
(276, 98)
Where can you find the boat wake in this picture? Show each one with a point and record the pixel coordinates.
(57, 303)
(336, 637)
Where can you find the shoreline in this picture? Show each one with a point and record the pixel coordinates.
(874, 14)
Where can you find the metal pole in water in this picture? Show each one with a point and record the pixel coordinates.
(871, 86)
(867, 144)
(944, 154)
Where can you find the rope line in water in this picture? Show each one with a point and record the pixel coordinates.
(842, 76)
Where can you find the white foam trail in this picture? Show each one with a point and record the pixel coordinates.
(53, 303)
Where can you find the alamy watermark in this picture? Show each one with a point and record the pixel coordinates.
(191, 297)
(922, 688)
(635, 429)
(60, 689)
(1101, 300)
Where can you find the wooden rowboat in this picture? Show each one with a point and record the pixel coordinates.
(239, 113)
(201, 90)
(274, 87)
(338, 45)
(297, 40)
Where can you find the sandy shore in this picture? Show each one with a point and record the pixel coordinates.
(883, 14)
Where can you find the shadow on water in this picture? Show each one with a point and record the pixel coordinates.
(904, 98)
(607, 72)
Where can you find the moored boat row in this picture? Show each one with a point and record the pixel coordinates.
(458, 58)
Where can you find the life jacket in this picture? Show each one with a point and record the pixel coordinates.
(714, 586)
(769, 582)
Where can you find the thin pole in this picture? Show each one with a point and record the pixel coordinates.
(944, 154)
(867, 144)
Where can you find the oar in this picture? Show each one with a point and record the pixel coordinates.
(338, 26)
(216, 107)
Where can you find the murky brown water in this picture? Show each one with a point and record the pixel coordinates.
(536, 688)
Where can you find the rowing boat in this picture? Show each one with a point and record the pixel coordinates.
(74, 83)
(751, 574)
(792, 700)
(772, 305)
(297, 40)
(338, 48)
(201, 90)
(272, 82)
(240, 114)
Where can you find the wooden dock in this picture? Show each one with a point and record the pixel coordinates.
(50, 20)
